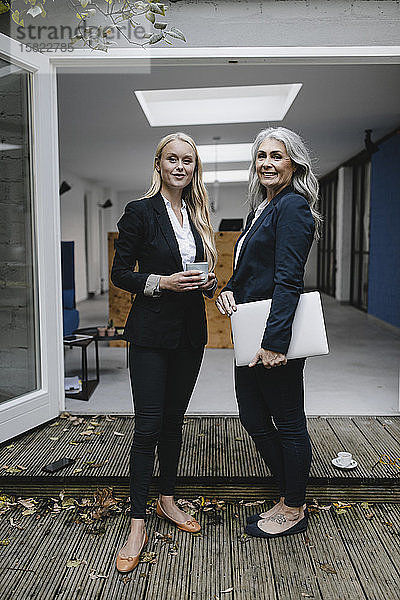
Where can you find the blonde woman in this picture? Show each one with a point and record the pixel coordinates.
(166, 327)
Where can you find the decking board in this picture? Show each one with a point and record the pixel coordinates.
(364, 553)
(216, 451)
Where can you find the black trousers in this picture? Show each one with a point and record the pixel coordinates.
(271, 409)
(162, 383)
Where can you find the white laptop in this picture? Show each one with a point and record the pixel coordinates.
(308, 329)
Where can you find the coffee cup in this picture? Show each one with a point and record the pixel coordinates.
(344, 459)
(198, 266)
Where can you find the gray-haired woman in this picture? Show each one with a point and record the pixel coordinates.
(269, 263)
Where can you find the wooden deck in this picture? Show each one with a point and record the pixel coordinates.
(218, 458)
(57, 550)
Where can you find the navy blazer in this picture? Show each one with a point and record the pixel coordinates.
(146, 236)
(271, 263)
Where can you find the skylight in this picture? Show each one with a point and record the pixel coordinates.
(204, 106)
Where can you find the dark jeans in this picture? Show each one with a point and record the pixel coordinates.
(162, 382)
(271, 409)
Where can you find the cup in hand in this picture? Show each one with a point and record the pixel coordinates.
(198, 266)
(344, 459)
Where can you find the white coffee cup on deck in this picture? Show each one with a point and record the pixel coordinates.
(344, 459)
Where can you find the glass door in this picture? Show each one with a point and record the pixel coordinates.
(360, 234)
(31, 362)
(326, 266)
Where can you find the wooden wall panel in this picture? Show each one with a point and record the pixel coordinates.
(219, 334)
(219, 330)
(119, 301)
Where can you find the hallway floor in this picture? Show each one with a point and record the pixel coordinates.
(360, 376)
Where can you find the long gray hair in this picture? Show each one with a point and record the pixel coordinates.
(304, 181)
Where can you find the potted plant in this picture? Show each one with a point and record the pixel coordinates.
(101, 331)
(110, 328)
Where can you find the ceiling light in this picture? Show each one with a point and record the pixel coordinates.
(233, 176)
(227, 153)
(202, 106)
(4, 147)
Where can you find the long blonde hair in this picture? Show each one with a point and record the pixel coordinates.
(195, 196)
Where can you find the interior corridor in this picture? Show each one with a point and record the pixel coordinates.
(360, 376)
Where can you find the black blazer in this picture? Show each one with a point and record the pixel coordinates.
(271, 263)
(146, 236)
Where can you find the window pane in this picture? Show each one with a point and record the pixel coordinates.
(19, 353)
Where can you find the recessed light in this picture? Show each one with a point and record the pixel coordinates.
(204, 106)
(225, 153)
(234, 176)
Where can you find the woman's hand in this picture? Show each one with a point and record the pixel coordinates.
(209, 283)
(269, 359)
(184, 281)
(226, 303)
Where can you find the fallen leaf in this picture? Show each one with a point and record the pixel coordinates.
(28, 503)
(88, 432)
(326, 507)
(238, 439)
(55, 424)
(10, 446)
(108, 418)
(148, 557)
(75, 562)
(327, 568)
(14, 524)
(305, 595)
(12, 470)
(29, 511)
(255, 503)
(54, 439)
(4, 542)
(74, 444)
(341, 505)
(388, 523)
(364, 504)
(77, 470)
(369, 516)
(341, 511)
(94, 575)
(118, 433)
(126, 579)
(226, 591)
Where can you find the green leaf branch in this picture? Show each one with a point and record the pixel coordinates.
(116, 16)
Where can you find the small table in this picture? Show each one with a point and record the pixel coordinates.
(104, 338)
(88, 386)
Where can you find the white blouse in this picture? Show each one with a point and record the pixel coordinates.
(256, 215)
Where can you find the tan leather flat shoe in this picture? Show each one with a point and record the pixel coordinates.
(127, 564)
(192, 526)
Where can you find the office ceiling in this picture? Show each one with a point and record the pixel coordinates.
(105, 137)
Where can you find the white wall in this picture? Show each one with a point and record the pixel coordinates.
(73, 229)
(343, 233)
(260, 22)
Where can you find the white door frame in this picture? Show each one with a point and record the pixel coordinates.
(25, 412)
(40, 406)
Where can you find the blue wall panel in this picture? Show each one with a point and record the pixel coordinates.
(384, 264)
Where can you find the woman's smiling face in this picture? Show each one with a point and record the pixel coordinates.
(274, 166)
(176, 164)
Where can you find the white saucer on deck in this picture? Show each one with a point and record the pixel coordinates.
(336, 463)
